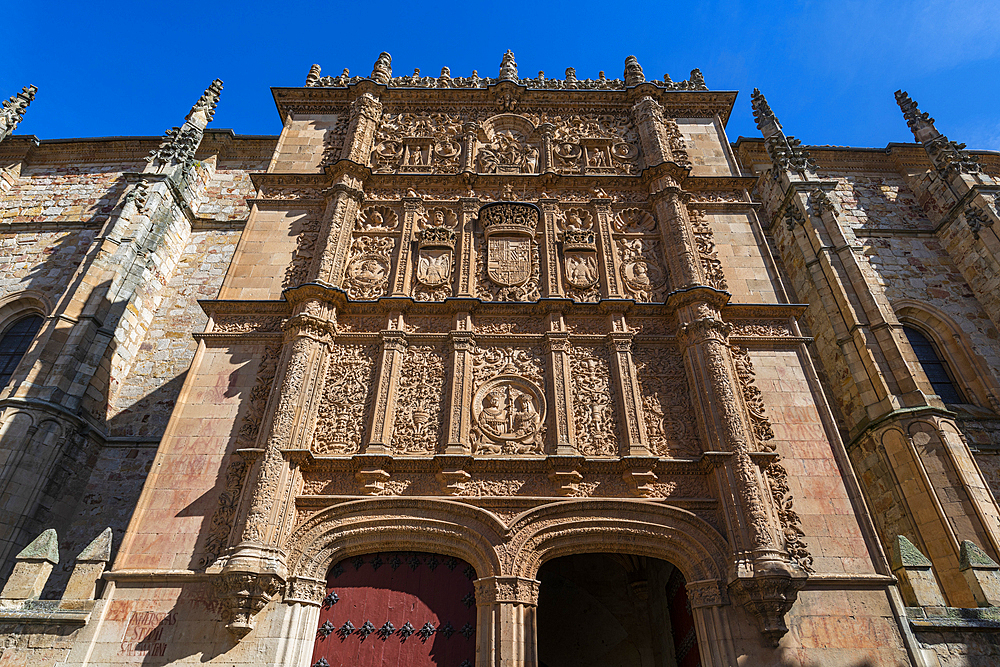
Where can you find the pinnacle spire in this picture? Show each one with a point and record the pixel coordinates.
(785, 151)
(205, 106)
(13, 110)
(949, 158)
(313, 77)
(508, 68)
(180, 143)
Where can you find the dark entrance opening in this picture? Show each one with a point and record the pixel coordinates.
(403, 609)
(613, 610)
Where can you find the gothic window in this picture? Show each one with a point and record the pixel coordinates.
(14, 344)
(934, 367)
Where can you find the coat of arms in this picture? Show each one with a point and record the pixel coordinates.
(508, 259)
(581, 269)
(434, 267)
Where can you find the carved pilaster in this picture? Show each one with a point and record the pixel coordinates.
(384, 414)
(553, 283)
(562, 391)
(466, 250)
(460, 400)
(633, 429)
(412, 207)
(608, 261)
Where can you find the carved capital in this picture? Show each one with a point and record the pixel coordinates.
(768, 595)
(243, 595)
(305, 590)
(704, 329)
(393, 341)
(506, 590)
(366, 106)
(708, 593)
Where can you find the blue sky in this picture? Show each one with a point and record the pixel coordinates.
(829, 69)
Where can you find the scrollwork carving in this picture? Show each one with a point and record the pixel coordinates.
(791, 524)
(346, 397)
(368, 269)
(634, 221)
(666, 402)
(640, 268)
(508, 403)
(593, 413)
(418, 401)
(705, 242)
(752, 398)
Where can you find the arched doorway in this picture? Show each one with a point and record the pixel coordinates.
(405, 609)
(613, 610)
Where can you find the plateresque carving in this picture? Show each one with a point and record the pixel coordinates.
(418, 401)
(593, 412)
(368, 270)
(640, 268)
(346, 394)
(508, 405)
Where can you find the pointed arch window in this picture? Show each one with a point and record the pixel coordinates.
(934, 367)
(15, 342)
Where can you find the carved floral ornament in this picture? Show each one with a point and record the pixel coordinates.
(507, 143)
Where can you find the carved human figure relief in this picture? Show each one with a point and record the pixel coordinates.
(508, 405)
(593, 407)
(588, 143)
(417, 143)
(368, 269)
(418, 401)
(346, 395)
(508, 153)
(666, 402)
(640, 268)
(580, 269)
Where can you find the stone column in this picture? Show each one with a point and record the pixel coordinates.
(546, 130)
(680, 248)
(469, 134)
(256, 570)
(506, 628)
(384, 413)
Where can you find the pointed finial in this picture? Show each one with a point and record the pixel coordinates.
(99, 549)
(786, 152)
(44, 547)
(313, 77)
(204, 108)
(633, 72)
(382, 71)
(508, 68)
(13, 110)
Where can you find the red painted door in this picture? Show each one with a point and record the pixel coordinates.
(682, 622)
(399, 609)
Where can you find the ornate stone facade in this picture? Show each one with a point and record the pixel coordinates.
(499, 321)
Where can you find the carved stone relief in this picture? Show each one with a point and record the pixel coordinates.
(435, 261)
(305, 249)
(705, 241)
(666, 402)
(508, 405)
(641, 270)
(346, 397)
(377, 218)
(634, 221)
(580, 268)
(418, 400)
(417, 143)
(593, 410)
(507, 257)
(368, 268)
(592, 144)
(753, 399)
(224, 516)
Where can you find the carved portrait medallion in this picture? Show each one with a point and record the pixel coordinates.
(509, 410)
(368, 273)
(508, 259)
(581, 269)
(642, 277)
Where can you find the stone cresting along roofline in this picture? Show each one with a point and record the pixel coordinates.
(382, 73)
